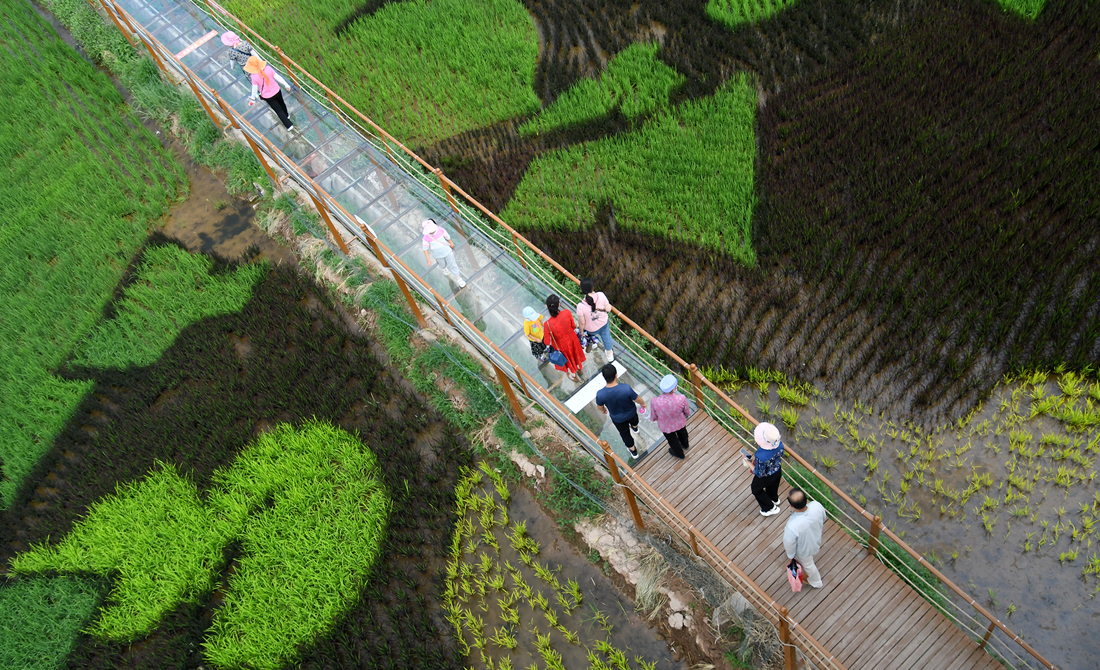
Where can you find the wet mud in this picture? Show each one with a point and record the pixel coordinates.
(1050, 602)
(212, 220)
(631, 633)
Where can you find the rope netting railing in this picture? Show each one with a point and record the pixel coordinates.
(641, 344)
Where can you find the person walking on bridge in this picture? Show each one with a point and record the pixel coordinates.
(592, 317)
(239, 50)
(767, 468)
(266, 82)
(561, 334)
(802, 535)
(618, 401)
(438, 242)
(671, 412)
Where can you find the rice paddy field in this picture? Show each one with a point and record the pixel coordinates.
(890, 205)
(873, 221)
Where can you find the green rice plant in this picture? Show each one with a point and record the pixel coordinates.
(63, 255)
(828, 462)
(635, 82)
(793, 396)
(165, 545)
(503, 639)
(41, 619)
(1069, 556)
(763, 407)
(789, 417)
(689, 170)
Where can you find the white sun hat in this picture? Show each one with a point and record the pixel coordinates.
(767, 436)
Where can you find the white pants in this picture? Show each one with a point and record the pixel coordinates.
(810, 570)
(449, 264)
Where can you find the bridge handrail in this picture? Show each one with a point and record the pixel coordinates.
(562, 414)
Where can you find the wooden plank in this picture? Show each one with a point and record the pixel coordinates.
(953, 644)
(859, 618)
(670, 469)
(906, 624)
(924, 645)
(899, 633)
(913, 641)
(880, 576)
(698, 495)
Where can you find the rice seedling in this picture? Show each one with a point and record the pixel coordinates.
(1068, 556)
(789, 417)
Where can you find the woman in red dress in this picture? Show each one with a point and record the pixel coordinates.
(561, 334)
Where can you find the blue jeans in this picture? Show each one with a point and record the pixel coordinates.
(604, 335)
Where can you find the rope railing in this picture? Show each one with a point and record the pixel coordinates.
(708, 396)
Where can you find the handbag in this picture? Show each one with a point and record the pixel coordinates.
(795, 575)
(557, 358)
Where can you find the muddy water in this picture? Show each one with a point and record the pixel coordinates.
(1055, 605)
(212, 220)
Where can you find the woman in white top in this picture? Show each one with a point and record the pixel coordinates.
(593, 318)
(438, 242)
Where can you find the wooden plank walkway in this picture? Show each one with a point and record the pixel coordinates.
(865, 614)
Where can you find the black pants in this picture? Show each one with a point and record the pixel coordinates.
(766, 490)
(278, 106)
(677, 442)
(624, 430)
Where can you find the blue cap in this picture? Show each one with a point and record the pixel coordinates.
(668, 384)
(530, 314)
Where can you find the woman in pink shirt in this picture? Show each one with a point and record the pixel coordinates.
(266, 80)
(671, 411)
(593, 319)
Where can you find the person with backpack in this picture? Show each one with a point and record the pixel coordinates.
(767, 468)
(239, 50)
(533, 329)
(438, 242)
(561, 334)
(617, 401)
(592, 315)
(266, 82)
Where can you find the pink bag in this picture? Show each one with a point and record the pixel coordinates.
(795, 576)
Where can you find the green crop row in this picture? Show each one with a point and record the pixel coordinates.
(40, 618)
(736, 12)
(635, 81)
(175, 289)
(308, 508)
(1027, 8)
(685, 175)
(84, 181)
(422, 70)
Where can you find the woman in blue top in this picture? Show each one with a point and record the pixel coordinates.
(767, 468)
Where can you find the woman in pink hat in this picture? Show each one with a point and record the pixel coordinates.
(239, 50)
(767, 468)
(265, 81)
(437, 244)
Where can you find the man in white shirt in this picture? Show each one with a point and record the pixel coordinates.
(802, 536)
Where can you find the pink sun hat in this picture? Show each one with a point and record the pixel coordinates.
(230, 38)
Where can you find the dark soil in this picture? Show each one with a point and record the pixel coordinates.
(928, 219)
(288, 356)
